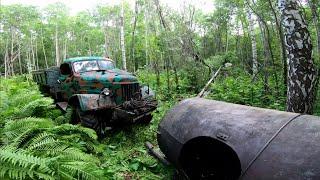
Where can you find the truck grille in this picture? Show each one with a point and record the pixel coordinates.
(128, 90)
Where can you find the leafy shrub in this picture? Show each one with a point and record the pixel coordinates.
(242, 90)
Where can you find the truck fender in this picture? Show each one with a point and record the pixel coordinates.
(88, 102)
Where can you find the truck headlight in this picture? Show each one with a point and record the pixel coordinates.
(106, 91)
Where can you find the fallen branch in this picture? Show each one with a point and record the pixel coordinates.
(158, 155)
(201, 94)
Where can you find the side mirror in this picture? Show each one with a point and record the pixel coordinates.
(59, 81)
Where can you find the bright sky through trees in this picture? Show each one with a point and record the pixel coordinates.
(80, 5)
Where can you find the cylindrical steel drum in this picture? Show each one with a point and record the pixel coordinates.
(208, 139)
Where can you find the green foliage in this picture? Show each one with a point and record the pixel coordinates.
(220, 59)
(19, 164)
(241, 89)
(32, 146)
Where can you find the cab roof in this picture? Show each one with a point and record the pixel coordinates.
(85, 58)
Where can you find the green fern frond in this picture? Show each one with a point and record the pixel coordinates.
(81, 170)
(13, 129)
(22, 138)
(10, 171)
(48, 144)
(18, 164)
(73, 154)
(38, 138)
(67, 129)
(37, 108)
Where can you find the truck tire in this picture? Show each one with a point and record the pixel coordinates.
(145, 120)
(89, 120)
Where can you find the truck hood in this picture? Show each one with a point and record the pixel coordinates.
(108, 76)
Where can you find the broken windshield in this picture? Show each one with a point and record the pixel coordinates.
(83, 66)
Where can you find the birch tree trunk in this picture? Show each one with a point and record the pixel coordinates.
(10, 60)
(123, 48)
(253, 44)
(146, 23)
(32, 51)
(302, 75)
(133, 37)
(57, 46)
(6, 60)
(44, 50)
(19, 57)
(106, 54)
(36, 53)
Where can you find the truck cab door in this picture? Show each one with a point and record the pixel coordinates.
(66, 81)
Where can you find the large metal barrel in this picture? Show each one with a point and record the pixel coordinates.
(208, 139)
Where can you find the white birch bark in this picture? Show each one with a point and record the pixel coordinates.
(253, 44)
(302, 74)
(57, 47)
(122, 43)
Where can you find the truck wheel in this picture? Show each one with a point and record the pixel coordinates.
(100, 128)
(89, 120)
(145, 120)
(84, 118)
(76, 115)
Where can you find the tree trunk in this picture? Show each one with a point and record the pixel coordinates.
(146, 23)
(253, 44)
(162, 21)
(19, 57)
(266, 59)
(302, 79)
(57, 46)
(32, 51)
(65, 48)
(6, 60)
(123, 48)
(283, 46)
(227, 40)
(106, 54)
(315, 16)
(44, 50)
(36, 54)
(133, 37)
(10, 62)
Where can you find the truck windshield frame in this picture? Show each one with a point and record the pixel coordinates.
(92, 65)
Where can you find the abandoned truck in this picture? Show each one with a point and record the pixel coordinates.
(100, 95)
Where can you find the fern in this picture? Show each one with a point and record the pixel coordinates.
(17, 164)
(13, 129)
(81, 170)
(67, 129)
(38, 108)
(73, 154)
(39, 148)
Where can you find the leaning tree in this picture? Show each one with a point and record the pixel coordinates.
(302, 74)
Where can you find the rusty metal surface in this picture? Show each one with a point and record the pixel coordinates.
(293, 154)
(62, 106)
(246, 130)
